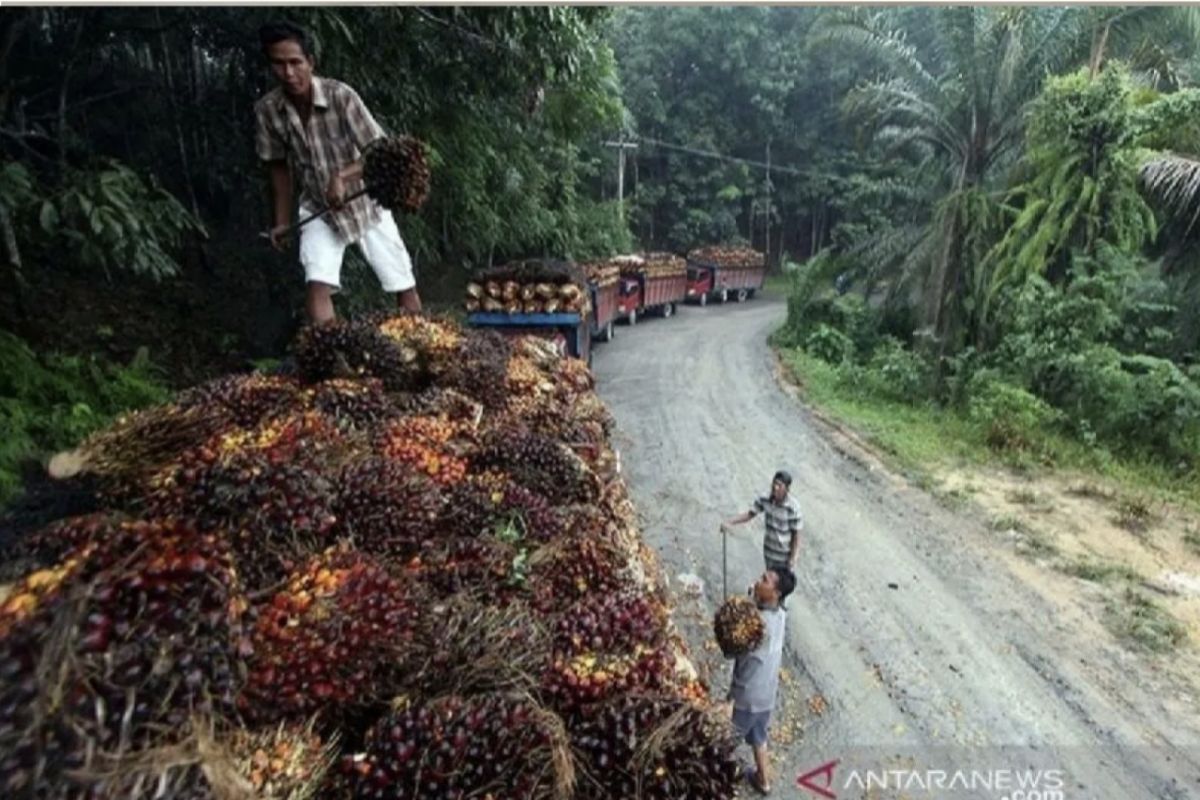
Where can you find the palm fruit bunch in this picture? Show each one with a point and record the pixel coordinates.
(726, 257)
(438, 339)
(536, 462)
(333, 640)
(484, 501)
(126, 454)
(611, 621)
(288, 762)
(489, 745)
(307, 437)
(248, 399)
(529, 287)
(572, 567)
(738, 626)
(657, 748)
(478, 368)
(271, 512)
(396, 172)
(576, 682)
(601, 273)
(471, 645)
(342, 349)
(47, 547)
(526, 380)
(484, 566)
(387, 507)
(439, 401)
(431, 445)
(127, 639)
(353, 404)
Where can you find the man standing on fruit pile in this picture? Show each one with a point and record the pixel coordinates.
(781, 516)
(315, 130)
(756, 674)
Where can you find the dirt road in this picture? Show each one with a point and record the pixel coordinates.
(913, 641)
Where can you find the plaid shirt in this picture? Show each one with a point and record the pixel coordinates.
(783, 523)
(339, 127)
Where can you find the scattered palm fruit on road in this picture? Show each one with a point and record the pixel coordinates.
(738, 626)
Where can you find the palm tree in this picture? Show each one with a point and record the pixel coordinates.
(958, 106)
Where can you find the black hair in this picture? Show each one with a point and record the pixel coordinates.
(785, 581)
(283, 31)
(784, 477)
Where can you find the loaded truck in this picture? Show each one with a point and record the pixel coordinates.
(643, 294)
(605, 309)
(705, 281)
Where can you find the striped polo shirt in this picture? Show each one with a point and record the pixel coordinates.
(783, 521)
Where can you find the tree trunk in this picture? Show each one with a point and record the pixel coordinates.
(1099, 44)
(181, 144)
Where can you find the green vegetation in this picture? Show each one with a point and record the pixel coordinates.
(53, 401)
(1099, 571)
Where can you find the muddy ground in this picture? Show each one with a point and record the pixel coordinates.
(918, 639)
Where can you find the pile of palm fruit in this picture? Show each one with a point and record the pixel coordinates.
(529, 287)
(409, 571)
(652, 265)
(727, 257)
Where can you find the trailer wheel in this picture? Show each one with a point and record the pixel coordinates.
(750, 293)
(724, 295)
(668, 309)
(606, 333)
(704, 299)
(633, 317)
(741, 295)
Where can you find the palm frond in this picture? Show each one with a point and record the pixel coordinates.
(1174, 181)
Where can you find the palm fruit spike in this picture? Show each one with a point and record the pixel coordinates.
(657, 748)
(342, 349)
(249, 399)
(356, 404)
(538, 463)
(396, 172)
(387, 507)
(458, 747)
(271, 512)
(738, 626)
(334, 640)
(140, 631)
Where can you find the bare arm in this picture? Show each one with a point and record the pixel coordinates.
(795, 549)
(335, 192)
(740, 519)
(281, 191)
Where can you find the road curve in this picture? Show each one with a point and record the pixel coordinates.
(930, 652)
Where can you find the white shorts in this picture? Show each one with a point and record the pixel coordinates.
(321, 252)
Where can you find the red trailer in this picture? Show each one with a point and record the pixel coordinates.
(709, 280)
(605, 309)
(642, 294)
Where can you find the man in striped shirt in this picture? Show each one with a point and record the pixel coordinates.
(781, 515)
(312, 131)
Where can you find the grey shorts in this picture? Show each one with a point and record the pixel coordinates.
(752, 725)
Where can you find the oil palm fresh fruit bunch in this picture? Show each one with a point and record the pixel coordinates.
(396, 172)
(536, 462)
(431, 444)
(489, 745)
(344, 349)
(387, 507)
(738, 626)
(249, 399)
(357, 404)
(114, 650)
(657, 747)
(334, 639)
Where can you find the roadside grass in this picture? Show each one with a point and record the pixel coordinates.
(1192, 539)
(918, 438)
(1139, 621)
(777, 285)
(1098, 571)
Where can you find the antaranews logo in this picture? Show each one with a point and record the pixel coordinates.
(1008, 784)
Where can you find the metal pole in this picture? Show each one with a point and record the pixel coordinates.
(724, 563)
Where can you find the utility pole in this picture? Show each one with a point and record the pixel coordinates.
(767, 244)
(621, 145)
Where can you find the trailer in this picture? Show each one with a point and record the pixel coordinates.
(571, 333)
(706, 281)
(605, 305)
(642, 294)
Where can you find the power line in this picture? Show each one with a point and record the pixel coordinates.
(733, 159)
